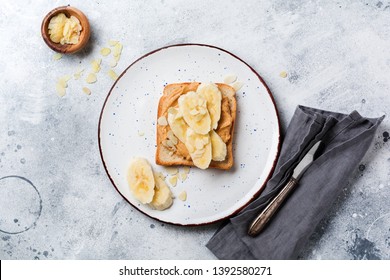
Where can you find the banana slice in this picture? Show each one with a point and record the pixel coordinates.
(193, 107)
(141, 180)
(199, 147)
(162, 198)
(211, 93)
(218, 147)
(177, 124)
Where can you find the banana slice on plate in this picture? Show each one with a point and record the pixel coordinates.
(218, 147)
(177, 124)
(213, 95)
(162, 198)
(193, 107)
(141, 180)
(199, 147)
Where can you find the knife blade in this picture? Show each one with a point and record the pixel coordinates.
(265, 216)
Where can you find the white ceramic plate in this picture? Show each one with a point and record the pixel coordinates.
(127, 129)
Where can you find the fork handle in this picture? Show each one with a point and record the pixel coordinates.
(261, 220)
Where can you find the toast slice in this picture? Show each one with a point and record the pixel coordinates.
(179, 155)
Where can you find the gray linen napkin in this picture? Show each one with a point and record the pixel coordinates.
(346, 139)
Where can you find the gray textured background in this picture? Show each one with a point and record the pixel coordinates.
(337, 58)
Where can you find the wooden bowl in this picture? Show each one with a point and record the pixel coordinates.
(84, 34)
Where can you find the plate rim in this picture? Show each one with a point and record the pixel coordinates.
(273, 164)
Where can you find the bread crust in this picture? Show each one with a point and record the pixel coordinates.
(168, 99)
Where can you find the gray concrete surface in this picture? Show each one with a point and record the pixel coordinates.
(58, 202)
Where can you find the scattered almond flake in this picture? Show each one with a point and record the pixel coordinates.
(57, 56)
(161, 175)
(91, 78)
(173, 181)
(78, 74)
(172, 170)
(86, 90)
(105, 51)
(117, 50)
(186, 169)
(283, 74)
(113, 43)
(183, 176)
(113, 63)
(112, 74)
(183, 196)
(96, 65)
(237, 86)
(61, 91)
(230, 79)
(141, 133)
(162, 121)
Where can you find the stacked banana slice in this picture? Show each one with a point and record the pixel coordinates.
(148, 187)
(194, 122)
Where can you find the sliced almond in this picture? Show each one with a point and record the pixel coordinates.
(86, 90)
(172, 170)
(105, 51)
(230, 79)
(162, 121)
(182, 196)
(183, 176)
(173, 181)
(237, 86)
(112, 74)
(283, 74)
(57, 56)
(91, 78)
(96, 65)
(112, 43)
(186, 169)
(141, 133)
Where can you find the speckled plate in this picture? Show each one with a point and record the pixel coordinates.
(127, 129)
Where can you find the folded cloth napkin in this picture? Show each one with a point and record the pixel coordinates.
(346, 139)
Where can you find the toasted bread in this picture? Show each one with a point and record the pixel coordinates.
(165, 156)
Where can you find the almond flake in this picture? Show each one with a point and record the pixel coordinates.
(112, 43)
(91, 78)
(172, 170)
(105, 51)
(86, 90)
(112, 74)
(186, 169)
(183, 176)
(141, 133)
(57, 56)
(183, 196)
(283, 74)
(173, 181)
(96, 65)
(113, 63)
(230, 79)
(162, 121)
(237, 86)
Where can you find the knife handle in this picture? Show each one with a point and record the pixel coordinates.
(259, 223)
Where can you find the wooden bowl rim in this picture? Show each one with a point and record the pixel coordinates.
(84, 34)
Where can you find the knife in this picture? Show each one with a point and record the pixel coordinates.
(261, 220)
